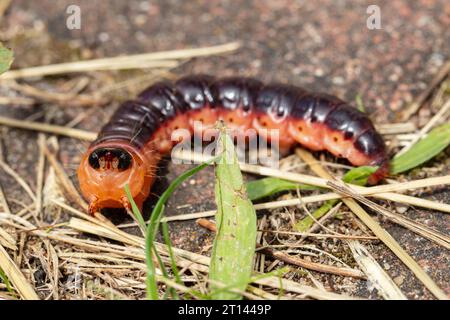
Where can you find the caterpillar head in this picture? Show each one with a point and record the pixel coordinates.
(105, 170)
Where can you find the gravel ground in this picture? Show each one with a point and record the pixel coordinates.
(321, 45)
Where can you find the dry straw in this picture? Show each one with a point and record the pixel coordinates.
(163, 59)
(377, 276)
(381, 233)
(16, 276)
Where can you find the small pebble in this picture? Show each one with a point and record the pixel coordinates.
(399, 280)
(103, 36)
(401, 209)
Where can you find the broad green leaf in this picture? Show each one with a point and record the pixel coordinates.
(356, 176)
(234, 245)
(6, 58)
(265, 187)
(436, 141)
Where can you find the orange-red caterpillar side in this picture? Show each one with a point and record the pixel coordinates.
(131, 144)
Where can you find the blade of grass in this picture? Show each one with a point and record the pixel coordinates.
(266, 187)
(235, 241)
(140, 219)
(306, 223)
(5, 280)
(359, 175)
(360, 103)
(437, 140)
(162, 267)
(6, 58)
(356, 176)
(138, 216)
(173, 264)
(134, 208)
(153, 226)
(16, 277)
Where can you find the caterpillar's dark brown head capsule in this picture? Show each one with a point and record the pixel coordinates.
(110, 158)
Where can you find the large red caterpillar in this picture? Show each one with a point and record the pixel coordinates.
(131, 144)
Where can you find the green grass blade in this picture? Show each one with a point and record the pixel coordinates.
(173, 264)
(134, 209)
(5, 280)
(158, 209)
(265, 187)
(170, 290)
(359, 175)
(153, 226)
(437, 140)
(6, 58)
(234, 245)
(360, 103)
(152, 284)
(304, 224)
(356, 176)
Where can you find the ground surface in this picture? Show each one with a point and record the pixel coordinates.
(321, 45)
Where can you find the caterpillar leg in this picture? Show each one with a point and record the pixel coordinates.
(94, 207)
(127, 204)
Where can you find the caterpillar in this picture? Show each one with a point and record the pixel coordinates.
(129, 147)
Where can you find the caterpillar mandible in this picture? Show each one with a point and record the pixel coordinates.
(129, 147)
